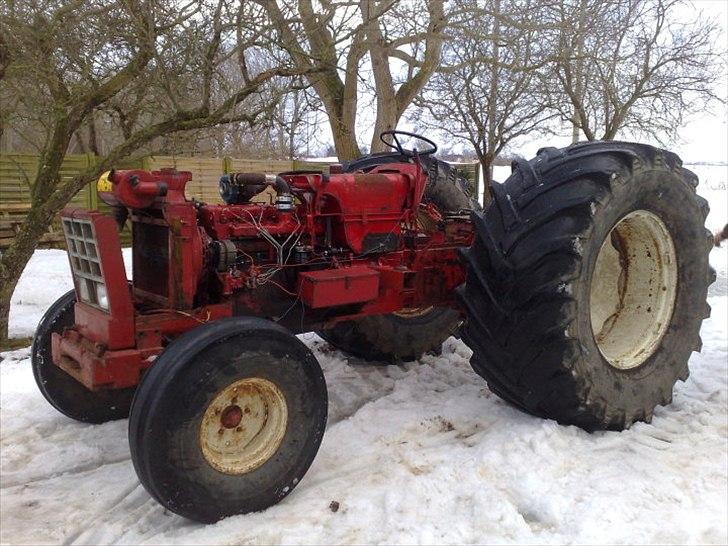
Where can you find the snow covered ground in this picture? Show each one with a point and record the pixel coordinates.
(419, 453)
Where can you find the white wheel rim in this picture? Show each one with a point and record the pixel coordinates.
(633, 289)
(243, 426)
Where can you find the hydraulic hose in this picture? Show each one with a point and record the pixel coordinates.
(260, 179)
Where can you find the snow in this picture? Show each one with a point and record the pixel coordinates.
(418, 453)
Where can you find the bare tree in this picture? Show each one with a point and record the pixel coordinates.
(631, 65)
(67, 60)
(489, 89)
(330, 40)
(288, 124)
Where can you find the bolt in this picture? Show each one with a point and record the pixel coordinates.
(221, 431)
(247, 409)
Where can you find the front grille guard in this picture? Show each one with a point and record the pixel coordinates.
(85, 262)
(94, 252)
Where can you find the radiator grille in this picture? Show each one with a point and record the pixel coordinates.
(85, 262)
(151, 258)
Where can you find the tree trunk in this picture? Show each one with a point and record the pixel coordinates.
(295, 122)
(80, 143)
(93, 137)
(387, 119)
(492, 130)
(15, 258)
(344, 140)
(486, 165)
(579, 70)
(574, 129)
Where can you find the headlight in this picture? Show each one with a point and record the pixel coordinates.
(101, 296)
(83, 288)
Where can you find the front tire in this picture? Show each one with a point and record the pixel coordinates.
(587, 283)
(228, 419)
(64, 392)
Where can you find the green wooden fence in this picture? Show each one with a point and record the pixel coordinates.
(17, 171)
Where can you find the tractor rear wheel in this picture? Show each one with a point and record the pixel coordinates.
(64, 392)
(228, 419)
(587, 283)
(402, 336)
(409, 333)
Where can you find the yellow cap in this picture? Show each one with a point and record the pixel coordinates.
(104, 184)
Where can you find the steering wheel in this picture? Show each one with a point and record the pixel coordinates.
(395, 144)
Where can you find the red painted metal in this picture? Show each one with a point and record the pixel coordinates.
(139, 189)
(96, 367)
(331, 287)
(350, 246)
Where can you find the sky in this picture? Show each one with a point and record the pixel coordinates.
(704, 136)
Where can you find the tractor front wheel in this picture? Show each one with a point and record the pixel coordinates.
(228, 419)
(587, 282)
(64, 392)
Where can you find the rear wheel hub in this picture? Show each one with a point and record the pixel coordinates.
(633, 289)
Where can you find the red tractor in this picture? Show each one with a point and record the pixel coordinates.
(580, 290)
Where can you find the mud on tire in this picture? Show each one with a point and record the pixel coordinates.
(546, 317)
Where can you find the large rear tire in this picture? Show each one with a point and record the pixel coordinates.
(228, 419)
(64, 392)
(587, 283)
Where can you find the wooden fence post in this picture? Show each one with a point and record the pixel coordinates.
(93, 194)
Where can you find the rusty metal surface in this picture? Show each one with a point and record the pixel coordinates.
(243, 425)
